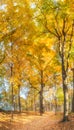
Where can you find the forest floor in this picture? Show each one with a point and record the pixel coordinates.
(29, 121)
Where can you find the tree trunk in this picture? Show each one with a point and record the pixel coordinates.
(11, 71)
(41, 102)
(26, 106)
(19, 102)
(34, 102)
(12, 103)
(73, 92)
(73, 101)
(66, 105)
(31, 107)
(55, 105)
(12, 96)
(65, 89)
(41, 94)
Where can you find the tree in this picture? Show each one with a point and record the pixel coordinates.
(38, 57)
(72, 69)
(15, 31)
(57, 19)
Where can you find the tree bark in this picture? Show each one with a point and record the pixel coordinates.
(41, 94)
(12, 95)
(66, 105)
(65, 91)
(26, 107)
(55, 105)
(34, 102)
(73, 92)
(19, 102)
(12, 103)
(12, 89)
(41, 101)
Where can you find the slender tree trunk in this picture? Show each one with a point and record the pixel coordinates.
(41, 101)
(41, 94)
(14, 107)
(73, 101)
(55, 105)
(26, 106)
(66, 105)
(73, 92)
(65, 88)
(34, 102)
(19, 102)
(31, 107)
(11, 69)
(55, 98)
(12, 102)
(12, 96)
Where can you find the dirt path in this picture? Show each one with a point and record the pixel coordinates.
(39, 123)
(31, 122)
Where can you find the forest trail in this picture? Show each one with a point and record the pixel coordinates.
(48, 121)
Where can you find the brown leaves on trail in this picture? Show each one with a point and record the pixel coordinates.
(61, 126)
(24, 121)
